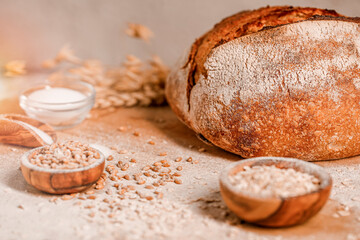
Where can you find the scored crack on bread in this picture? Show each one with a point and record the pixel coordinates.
(277, 81)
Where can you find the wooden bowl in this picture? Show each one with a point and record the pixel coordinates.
(275, 211)
(61, 181)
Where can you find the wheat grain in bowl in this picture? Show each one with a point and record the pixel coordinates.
(69, 155)
(62, 167)
(275, 191)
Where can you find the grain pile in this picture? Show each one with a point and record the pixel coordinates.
(130, 191)
(126, 180)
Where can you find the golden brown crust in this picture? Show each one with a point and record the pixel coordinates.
(299, 129)
(241, 24)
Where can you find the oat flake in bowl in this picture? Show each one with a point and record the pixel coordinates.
(270, 181)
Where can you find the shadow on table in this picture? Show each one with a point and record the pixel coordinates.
(179, 134)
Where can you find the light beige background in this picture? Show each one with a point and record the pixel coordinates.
(35, 29)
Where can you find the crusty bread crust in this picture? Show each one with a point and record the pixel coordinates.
(241, 24)
(286, 84)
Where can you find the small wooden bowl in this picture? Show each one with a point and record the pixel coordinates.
(275, 212)
(61, 181)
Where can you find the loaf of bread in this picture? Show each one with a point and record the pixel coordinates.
(277, 81)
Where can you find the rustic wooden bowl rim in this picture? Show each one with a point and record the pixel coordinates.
(307, 167)
(25, 162)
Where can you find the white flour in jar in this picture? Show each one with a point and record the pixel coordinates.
(54, 95)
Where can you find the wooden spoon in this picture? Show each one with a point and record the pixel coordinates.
(275, 212)
(25, 131)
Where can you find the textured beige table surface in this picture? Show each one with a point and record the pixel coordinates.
(191, 210)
